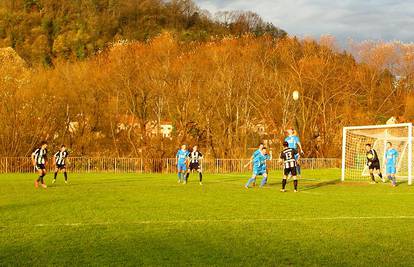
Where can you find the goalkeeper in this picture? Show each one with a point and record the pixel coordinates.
(373, 163)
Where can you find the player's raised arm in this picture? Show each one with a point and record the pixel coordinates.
(270, 155)
(299, 145)
(33, 158)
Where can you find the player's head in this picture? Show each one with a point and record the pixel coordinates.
(389, 144)
(195, 148)
(368, 147)
(183, 147)
(285, 144)
(43, 144)
(290, 131)
(261, 145)
(264, 150)
(62, 148)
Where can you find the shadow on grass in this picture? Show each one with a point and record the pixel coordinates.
(321, 184)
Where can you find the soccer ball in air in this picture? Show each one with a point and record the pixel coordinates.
(370, 156)
(295, 95)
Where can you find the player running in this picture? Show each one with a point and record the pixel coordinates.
(294, 142)
(289, 156)
(181, 161)
(60, 163)
(194, 158)
(373, 163)
(255, 154)
(391, 162)
(39, 159)
(259, 168)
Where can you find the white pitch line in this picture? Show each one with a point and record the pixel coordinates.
(79, 224)
(234, 220)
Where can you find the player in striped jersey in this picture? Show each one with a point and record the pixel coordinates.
(289, 157)
(60, 163)
(39, 159)
(194, 158)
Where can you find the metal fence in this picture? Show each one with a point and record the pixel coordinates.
(139, 165)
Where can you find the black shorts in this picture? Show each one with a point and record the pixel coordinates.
(195, 166)
(375, 165)
(60, 166)
(40, 167)
(291, 171)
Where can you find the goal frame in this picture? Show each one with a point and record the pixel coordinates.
(366, 127)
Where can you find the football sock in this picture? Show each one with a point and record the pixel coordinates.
(201, 176)
(41, 178)
(372, 177)
(380, 175)
(179, 176)
(54, 177)
(264, 181)
(394, 181)
(250, 181)
(283, 183)
(390, 177)
(66, 176)
(186, 176)
(295, 184)
(298, 169)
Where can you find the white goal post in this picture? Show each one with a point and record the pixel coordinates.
(355, 138)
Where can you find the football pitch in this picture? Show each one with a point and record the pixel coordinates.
(149, 219)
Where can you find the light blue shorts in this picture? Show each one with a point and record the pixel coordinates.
(259, 171)
(181, 167)
(391, 169)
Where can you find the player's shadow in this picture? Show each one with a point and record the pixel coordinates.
(320, 184)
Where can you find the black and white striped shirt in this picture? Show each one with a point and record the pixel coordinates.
(60, 157)
(288, 156)
(40, 155)
(195, 156)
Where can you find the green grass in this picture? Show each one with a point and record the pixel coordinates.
(133, 219)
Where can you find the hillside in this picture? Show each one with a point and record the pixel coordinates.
(42, 31)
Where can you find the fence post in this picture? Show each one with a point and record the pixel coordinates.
(89, 165)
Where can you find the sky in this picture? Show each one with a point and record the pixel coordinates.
(356, 19)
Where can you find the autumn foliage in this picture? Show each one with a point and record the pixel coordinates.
(225, 95)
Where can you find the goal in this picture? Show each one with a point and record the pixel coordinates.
(355, 138)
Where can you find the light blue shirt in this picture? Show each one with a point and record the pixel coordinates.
(182, 156)
(391, 155)
(293, 141)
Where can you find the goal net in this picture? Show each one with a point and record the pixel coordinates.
(354, 161)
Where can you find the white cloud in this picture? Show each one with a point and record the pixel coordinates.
(356, 19)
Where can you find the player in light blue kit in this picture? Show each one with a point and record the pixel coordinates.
(181, 162)
(294, 142)
(259, 167)
(255, 154)
(391, 163)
